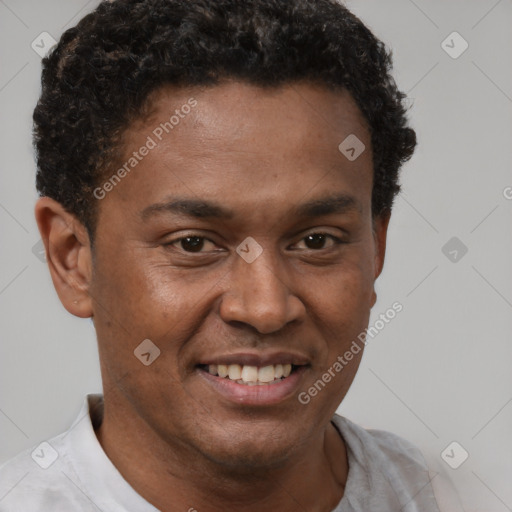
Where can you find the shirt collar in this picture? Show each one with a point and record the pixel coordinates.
(101, 481)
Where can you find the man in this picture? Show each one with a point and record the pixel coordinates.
(217, 181)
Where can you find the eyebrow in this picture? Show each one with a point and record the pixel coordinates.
(189, 207)
(200, 209)
(338, 204)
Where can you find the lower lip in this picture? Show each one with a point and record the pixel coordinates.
(267, 394)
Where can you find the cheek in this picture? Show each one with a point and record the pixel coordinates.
(150, 298)
(343, 307)
(343, 316)
(173, 303)
(348, 289)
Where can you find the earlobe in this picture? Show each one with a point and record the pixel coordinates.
(68, 255)
(374, 298)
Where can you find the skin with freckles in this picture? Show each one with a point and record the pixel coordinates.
(245, 162)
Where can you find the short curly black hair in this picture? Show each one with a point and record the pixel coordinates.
(96, 80)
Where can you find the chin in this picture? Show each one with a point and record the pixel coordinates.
(245, 458)
(248, 451)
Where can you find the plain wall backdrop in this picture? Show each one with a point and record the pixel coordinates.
(439, 372)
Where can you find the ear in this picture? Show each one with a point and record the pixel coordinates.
(380, 232)
(68, 255)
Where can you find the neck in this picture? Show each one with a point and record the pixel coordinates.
(312, 479)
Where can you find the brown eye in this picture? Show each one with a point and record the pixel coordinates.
(192, 243)
(315, 241)
(319, 241)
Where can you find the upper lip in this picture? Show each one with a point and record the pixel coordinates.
(258, 359)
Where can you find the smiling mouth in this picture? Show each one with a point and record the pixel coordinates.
(251, 375)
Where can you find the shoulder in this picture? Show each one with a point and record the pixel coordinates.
(384, 447)
(41, 478)
(385, 469)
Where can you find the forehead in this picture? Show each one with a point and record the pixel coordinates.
(245, 145)
(231, 112)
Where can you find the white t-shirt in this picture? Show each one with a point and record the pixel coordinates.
(72, 473)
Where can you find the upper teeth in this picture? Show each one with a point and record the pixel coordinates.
(251, 374)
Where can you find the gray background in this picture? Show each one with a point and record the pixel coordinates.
(440, 371)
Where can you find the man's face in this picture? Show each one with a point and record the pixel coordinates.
(242, 162)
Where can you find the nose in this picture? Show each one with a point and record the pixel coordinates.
(258, 296)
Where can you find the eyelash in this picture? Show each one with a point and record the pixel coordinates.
(337, 241)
